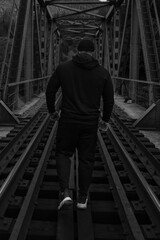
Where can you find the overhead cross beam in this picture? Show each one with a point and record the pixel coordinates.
(48, 3)
(74, 23)
(52, 2)
(78, 11)
(82, 11)
(80, 28)
(79, 32)
(87, 26)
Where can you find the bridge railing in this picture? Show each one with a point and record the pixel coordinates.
(138, 91)
(22, 92)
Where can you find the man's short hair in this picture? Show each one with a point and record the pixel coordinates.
(86, 45)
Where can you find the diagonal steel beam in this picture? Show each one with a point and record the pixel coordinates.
(82, 11)
(123, 34)
(78, 11)
(73, 31)
(74, 23)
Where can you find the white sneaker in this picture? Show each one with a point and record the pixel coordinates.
(82, 201)
(65, 201)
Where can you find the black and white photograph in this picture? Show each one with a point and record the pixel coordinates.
(79, 119)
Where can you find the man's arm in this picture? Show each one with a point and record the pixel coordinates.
(52, 88)
(108, 102)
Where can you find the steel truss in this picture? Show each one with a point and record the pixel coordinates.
(126, 34)
(28, 64)
(136, 50)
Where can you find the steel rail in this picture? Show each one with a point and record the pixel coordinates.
(21, 225)
(5, 189)
(15, 173)
(65, 221)
(7, 153)
(145, 190)
(139, 147)
(84, 218)
(133, 225)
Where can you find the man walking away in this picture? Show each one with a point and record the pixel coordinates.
(83, 82)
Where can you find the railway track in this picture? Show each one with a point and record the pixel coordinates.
(124, 197)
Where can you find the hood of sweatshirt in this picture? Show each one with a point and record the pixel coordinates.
(86, 61)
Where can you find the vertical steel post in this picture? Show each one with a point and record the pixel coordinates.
(116, 43)
(134, 50)
(50, 57)
(58, 50)
(37, 30)
(106, 51)
(97, 48)
(100, 49)
(29, 55)
(144, 48)
(45, 34)
(54, 50)
(45, 46)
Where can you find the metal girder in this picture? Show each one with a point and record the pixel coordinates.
(70, 30)
(51, 50)
(143, 39)
(123, 36)
(74, 28)
(134, 51)
(78, 32)
(26, 55)
(157, 16)
(112, 3)
(110, 13)
(79, 22)
(137, 41)
(116, 35)
(37, 25)
(43, 5)
(7, 56)
(52, 2)
(106, 47)
(6, 115)
(150, 118)
(78, 11)
(148, 45)
(20, 52)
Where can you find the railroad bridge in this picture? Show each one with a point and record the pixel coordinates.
(124, 198)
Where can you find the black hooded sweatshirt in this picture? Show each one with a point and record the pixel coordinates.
(83, 82)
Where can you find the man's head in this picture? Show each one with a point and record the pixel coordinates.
(86, 45)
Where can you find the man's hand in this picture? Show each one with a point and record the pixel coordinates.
(103, 126)
(54, 116)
